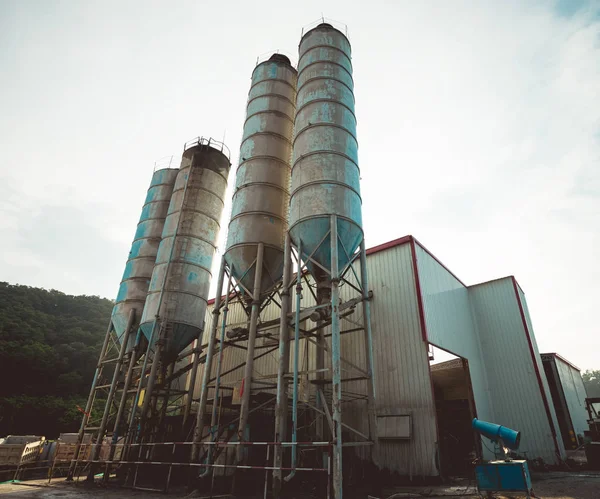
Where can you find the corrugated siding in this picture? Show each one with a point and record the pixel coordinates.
(403, 382)
(402, 372)
(540, 366)
(575, 394)
(512, 379)
(450, 324)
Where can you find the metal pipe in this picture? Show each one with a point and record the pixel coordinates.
(213, 416)
(284, 365)
(336, 363)
(111, 393)
(90, 401)
(296, 360)
(208, 366)
(247, 381)
(371, 388)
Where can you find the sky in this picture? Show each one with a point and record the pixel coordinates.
(478, 128)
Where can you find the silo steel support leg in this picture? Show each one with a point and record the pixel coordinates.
(336, 364)
(371, 387)
(284, 365)
(90, 402)
(215, 406)
(247, 381)
(296, 362)
(151, 383)
(126, 385)
(111, 394)
(167, 388)
(208, 366)
(131, 426)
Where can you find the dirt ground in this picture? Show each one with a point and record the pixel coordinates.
(557, 485)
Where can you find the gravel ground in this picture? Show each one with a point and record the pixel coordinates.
(558, 485)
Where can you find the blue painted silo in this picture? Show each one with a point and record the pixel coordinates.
(325, 173)
(138, 269)
(261, 198)
(180, 281)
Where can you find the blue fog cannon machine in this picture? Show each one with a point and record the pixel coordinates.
(504, 475)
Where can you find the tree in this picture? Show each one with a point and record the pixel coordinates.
(49, 347)
(591, 380)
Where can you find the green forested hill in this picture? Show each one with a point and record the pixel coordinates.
(49, 347)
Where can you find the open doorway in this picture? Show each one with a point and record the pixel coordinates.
(455, 410)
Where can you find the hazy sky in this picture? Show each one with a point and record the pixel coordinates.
(478, 125)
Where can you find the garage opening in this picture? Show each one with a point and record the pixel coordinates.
(455, 410)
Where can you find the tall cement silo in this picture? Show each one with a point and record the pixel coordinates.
(325, 173)
(257, 230)
(142, 255)
(261, 198)
(180, 282)
(326, 230)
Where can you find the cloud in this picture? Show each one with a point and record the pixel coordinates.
(477, 126)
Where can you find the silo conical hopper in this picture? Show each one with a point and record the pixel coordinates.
(180, 282)
(325, 173)
(138, 269)
(261, 197)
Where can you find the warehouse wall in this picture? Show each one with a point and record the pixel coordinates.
(450, 325)
(512, 379)
(403, 381)
(575, 394)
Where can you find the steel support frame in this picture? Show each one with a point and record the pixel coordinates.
(336, 395)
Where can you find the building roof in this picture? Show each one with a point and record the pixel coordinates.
(562, 359)
(409, 239)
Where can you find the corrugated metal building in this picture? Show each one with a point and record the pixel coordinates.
(417, 302)
(568, 396)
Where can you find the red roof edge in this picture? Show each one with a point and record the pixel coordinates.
(389, 244)
(438, 261)
(562, 359)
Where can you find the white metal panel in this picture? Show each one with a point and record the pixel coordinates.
(402, 367)
(511, 374)
(450, 326)
(538, 361)
(575, 394)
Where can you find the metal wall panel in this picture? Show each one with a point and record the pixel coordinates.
(450, 326)
(511, 374)
(575, 394)
(402, 368)
(538, 361)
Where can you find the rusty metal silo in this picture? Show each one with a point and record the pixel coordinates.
(178, 293)
(325, 173)
(140, 263)
(261, 197)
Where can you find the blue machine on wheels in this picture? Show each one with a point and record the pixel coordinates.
(504, 475)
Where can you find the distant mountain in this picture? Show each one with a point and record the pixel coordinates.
(49, 347)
